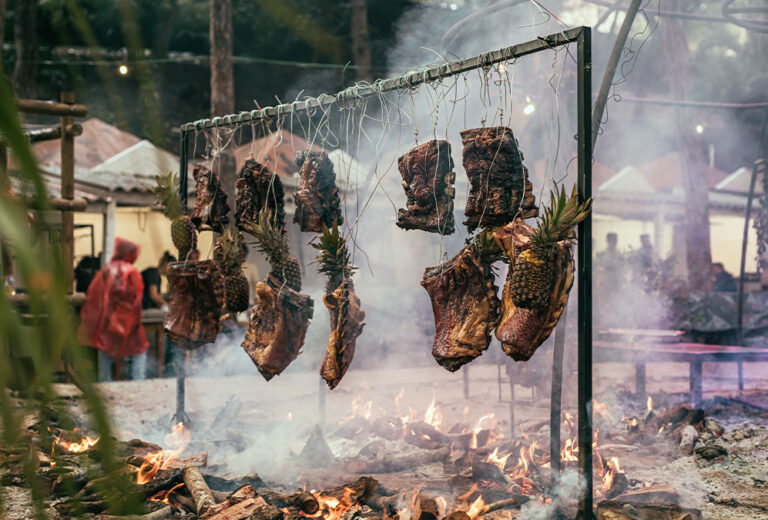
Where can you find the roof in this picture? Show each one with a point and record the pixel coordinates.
(666, 173)
(277, 151)
(739, 181)
(98, 142)
(133, 169)
(628, 179)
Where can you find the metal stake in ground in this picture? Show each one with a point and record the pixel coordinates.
(181, 415)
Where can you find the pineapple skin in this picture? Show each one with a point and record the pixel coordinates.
(531, 280)
(183, 235)
(236, 292)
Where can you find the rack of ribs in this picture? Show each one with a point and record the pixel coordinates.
(465, 305)
(258, 188)
(317, 199)
(346, 325)
(211, 207)
(499, 186)
(428, 178)
(197, 300)
(277, 326)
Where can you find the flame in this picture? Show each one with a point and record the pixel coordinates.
(649, 403)
(611, 471)
(333, 508)
(569, 452)
(85, 444)
(494, 458)
(476, 509)
(660, 430)
(432, 416)
(178, 440)
(162, 496)
(478, 428)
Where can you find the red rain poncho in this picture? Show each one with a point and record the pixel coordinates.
(111, 316)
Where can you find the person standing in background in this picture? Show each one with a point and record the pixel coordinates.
(111, 316)
(153, 279)
(722, 280)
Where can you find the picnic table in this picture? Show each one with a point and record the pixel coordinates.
(648, 348)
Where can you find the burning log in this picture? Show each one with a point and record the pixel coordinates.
(306, 502)
(618, 510)
(507, 503)
(425, 508)
(199, 490)
(395, 464)
(482, 470)
(457, 515)
(688, 438)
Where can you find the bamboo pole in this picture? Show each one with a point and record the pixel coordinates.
(52, 108)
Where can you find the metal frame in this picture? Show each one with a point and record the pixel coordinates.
(582, 36)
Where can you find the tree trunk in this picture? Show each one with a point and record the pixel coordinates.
(164, 29)
(25, 34)
(697, 229)
(361, 43)
(222, 74)
(3, 7)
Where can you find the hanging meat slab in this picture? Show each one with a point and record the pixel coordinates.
(428, 178)
(346, 325)
(465, 305)
(277, 326)
(522, 331)
(258, 188)
(499, 186)
(211, 206)
(317, 199)
(197, 299)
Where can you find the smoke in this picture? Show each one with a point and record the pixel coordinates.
(569, 488)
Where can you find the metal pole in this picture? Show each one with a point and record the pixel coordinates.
(181, 414)
(584, 273)
(465, 380)
(556, 397)
(758, 167)
(321, 400)
(610, 70)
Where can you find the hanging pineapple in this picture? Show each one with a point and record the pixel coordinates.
(183, 231)
(229, 255)
(273, 241)
(342, 302)
(533, 272)
(333, 257)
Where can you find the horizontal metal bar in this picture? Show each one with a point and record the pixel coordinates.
(51, 108)
(406, 81)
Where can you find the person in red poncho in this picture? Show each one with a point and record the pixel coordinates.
(111, 316)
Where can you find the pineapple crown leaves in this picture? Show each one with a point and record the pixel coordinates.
(559, 219)
(270, 238)
(333, 254)
(168, 196)
(229, 251)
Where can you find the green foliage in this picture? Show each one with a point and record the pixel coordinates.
(33, 349)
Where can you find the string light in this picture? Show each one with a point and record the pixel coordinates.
(530, 108)
(123, 69)
(699, 129)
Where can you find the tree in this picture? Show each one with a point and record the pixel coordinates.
(697, 228)
(222, 74)
(361, 43)
(25, 35)
(3, 6)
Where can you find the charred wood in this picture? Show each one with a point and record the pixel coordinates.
(395, 464)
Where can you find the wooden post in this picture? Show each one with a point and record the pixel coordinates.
(222, 70)
(108, 242)
(68, 191)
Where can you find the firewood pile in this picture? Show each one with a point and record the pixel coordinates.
(374, 465)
